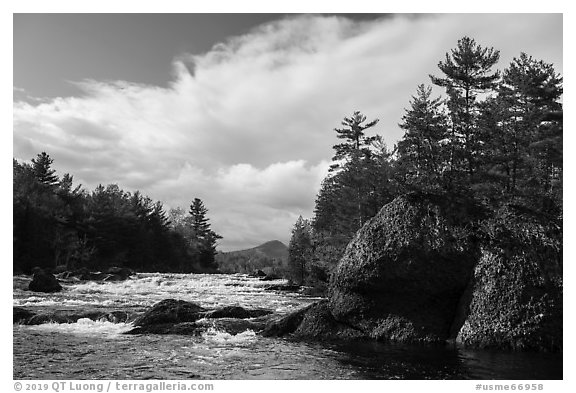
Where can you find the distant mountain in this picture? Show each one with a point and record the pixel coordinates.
(270, 257)
(273, 249)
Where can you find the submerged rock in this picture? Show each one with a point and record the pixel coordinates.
(21, 315)
(43, 281)
(236, 312)
(232, 326)
(284, 287)
(183, 328)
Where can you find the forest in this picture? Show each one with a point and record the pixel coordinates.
(493, 136)
(59, 225)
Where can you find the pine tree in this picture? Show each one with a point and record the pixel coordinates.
(42, 167)
(356, 142)
(467, 74)
(423, 155)
(199, 220)
(205, 238)
(526, 149)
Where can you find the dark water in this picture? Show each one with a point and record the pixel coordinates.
(98, 350)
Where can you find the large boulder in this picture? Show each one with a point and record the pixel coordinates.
(515, 298)
(428, 268)
(43, 281)
(402, 276)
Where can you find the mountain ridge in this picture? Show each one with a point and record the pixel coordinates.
(271, 248)
(270, 257)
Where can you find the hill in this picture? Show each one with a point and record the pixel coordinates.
(270, 257)
(273, 249)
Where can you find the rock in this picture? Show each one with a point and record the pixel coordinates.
(44, 282)
(231, 325)
(312, 322)
(170, 311)
(59, 269)
(319, 323)
(284, 325)
(117, 317)
(515, 298)
(120, 273)
(184, 328)
(179, 317)
(236, 312)
(21, 315)
(313, 291)
(403, 274)
(258, 273)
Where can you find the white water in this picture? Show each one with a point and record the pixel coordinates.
(85, 327)
(146, 289)
(98, 350)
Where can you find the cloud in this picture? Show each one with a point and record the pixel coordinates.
(248, 126)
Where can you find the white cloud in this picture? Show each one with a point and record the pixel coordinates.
(249, 130)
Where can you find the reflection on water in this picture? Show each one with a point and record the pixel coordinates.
(98, 350)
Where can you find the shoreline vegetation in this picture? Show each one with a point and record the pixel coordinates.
(453, 235)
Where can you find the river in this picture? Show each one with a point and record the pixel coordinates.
(98, 350)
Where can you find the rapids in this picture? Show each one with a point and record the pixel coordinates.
(98, 350)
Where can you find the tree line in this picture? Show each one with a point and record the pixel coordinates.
(494, 136)
(57, 224)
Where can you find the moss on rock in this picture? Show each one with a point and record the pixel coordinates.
(516, 300)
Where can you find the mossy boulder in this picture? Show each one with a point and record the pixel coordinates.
(403, 274)
(515, 297)
(431, 268)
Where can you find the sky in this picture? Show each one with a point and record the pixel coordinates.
(235, 109)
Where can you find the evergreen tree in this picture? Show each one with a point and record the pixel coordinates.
(205, 238)
(358, 185)
(423, 156)
(524, 150)
(300, 250)
(467, 74)
(200, 223)
(42, 167)
(356, 142)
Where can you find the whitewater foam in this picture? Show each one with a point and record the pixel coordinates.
(84, 327)
(221, 337)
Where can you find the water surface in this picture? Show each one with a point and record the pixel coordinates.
(98, 350)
